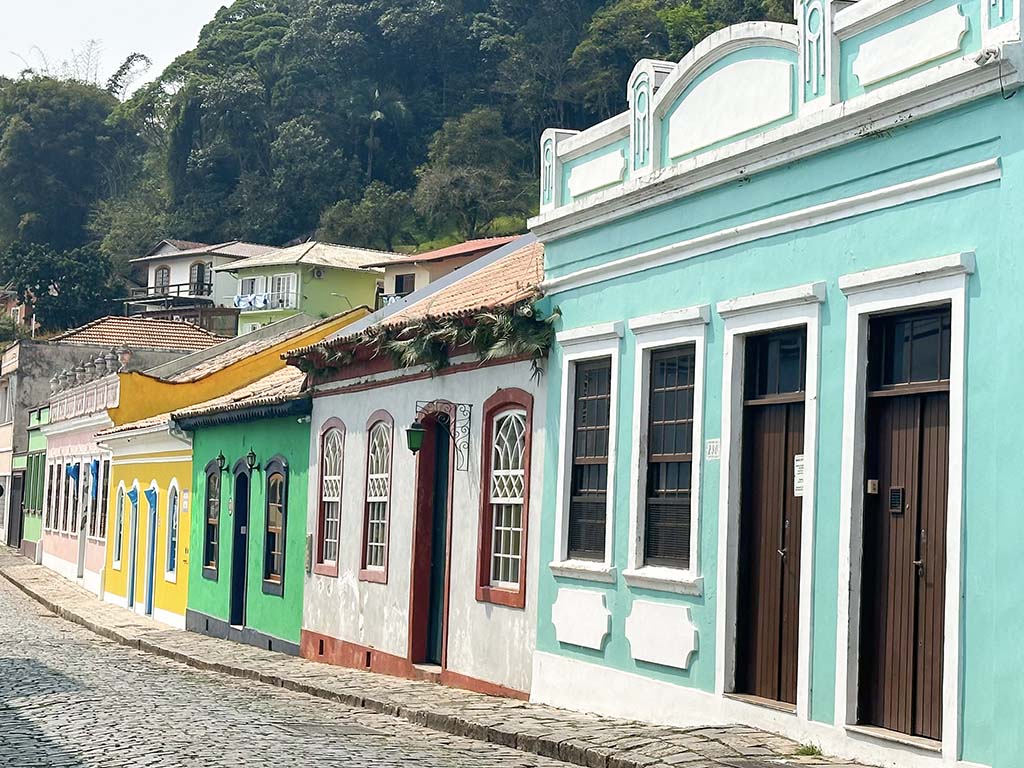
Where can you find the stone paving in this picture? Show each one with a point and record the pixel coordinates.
(68, 698)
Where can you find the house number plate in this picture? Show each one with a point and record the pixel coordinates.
(713, 449)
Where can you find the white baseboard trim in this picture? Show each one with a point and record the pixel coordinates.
(169, 618)
(60, 566)
(119, 600)
(582, 686)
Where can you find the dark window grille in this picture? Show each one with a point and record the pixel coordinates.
(669, 457)
(910, 348)
(405, 284)
(591, 434)
(104, 496)
(212, 519)
(273, 565)
(776, 364)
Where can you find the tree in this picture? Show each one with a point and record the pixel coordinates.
(66, 288)
(58, 153)
(376, 221)
(471, 176)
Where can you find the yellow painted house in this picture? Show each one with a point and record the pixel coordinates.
(150, 494)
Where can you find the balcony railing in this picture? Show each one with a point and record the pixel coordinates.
(386, 299)
(176, 290)
(262, 302)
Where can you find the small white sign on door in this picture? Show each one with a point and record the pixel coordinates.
(713, 449)
(798, 475)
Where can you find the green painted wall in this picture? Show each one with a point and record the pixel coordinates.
(983, 219)
(278, 616)
(338, 291)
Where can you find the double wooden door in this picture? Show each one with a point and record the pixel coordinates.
(768, 604)
(904, 534)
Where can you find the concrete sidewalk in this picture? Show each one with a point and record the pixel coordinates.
(568, 736)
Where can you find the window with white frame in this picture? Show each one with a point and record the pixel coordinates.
(248, 286)
(666, 540)
(162, 279)
(378, 494)
(119, 526)
(104, 497)
(283, 291)
(331, 480)
(507, 496)
(591, 434)
(16, 315)
(171, 556)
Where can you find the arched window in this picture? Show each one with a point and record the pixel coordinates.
(162, 279)
(275, 526)
(119, 526)
(504, 507)
(378, 497)
(332, 462)
(199, 278)
(211, 527)
(171, 556)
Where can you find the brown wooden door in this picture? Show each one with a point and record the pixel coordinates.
(768, 604)
(905, 501)
(903, 588)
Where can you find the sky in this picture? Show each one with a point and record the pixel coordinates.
(161, 29)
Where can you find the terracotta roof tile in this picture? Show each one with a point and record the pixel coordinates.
(279, 386)
(470, 247)
(508, 280)
(141, 333)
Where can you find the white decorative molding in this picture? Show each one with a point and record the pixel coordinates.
(590, 570)
(581, 618)
(551, 167)
(863, 15)
(887, 197)
(908, 272)
(717, 46)
(664, 579)
(588, 333)
(813, 46)
(595, 137)
(661, 633)
(673, 318)
(594, 174)
(915, 97)
(743, 97)
(920, 42)
(808, 293)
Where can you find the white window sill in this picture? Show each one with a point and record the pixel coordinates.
(116, 565)
(591, 570)
(666, 579)
(171, 577)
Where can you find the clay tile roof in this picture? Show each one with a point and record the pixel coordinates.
(312, 254)
(161, 419)
(278, 387)
(510, 279)
(233, 248)
(185, 245)
(469, 248)
(141, 333)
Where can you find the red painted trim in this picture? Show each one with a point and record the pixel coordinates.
(320, 567)
(500, 401)
(457, 368)
(377, 575)
(355, 656)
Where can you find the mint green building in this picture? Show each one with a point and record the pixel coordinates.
(250, 464)
(781, 393)
(33, 466)
(316, 279)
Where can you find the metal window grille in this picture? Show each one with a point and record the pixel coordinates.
(508, 481)
(378, 489)
(589, 486)
(330, 498)
(273, 566)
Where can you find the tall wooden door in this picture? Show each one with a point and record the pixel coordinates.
(768, 606)
(239, 551)
(905, 502)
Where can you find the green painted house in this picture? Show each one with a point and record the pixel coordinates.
(248, 513)
(317, 279)
(33, 464)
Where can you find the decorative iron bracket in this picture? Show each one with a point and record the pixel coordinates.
(459, 416)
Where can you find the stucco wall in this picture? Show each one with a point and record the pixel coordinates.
(979, 219)
(485, 641)
(275, 615)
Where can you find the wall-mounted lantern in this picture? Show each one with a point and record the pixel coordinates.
(414, 435)
(221, 461)
(250, 459)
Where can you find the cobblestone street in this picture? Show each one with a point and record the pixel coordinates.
(69, 698)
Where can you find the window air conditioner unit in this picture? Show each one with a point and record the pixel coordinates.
(319, 273)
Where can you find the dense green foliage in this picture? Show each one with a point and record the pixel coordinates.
(383, 123)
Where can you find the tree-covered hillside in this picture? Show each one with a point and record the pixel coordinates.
(382, 123)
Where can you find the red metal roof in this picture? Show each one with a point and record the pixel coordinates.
(477, 247)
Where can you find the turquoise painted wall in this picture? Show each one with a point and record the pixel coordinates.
(983, 219)
(621, 146)
(278, 616)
